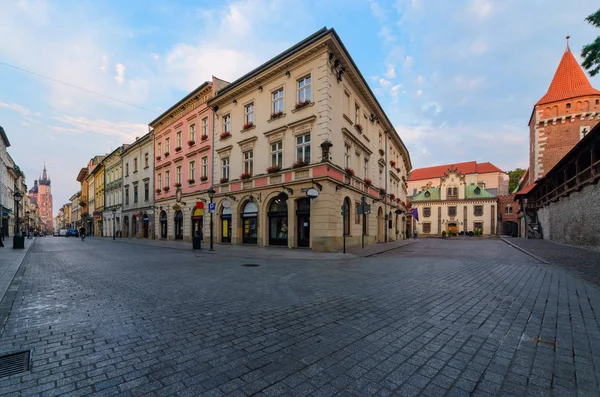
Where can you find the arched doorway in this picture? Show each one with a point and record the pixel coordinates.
(198, 223)
(134, 230)
(163, 224)
(303, 222)
(346, 219)
(226, 225)
(126, 224)
(510, 228)
(178, 225)
(452, 228)
(380, 225)
(250, 223)
(145, 224)
(278, 222)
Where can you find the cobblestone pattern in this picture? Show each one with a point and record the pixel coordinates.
(435, 318)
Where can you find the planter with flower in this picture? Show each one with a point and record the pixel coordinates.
(167, 154)
(248, 125)
(166, 188)
(178, 149)
(204, 137)
(299, 163)
(349, 171)
(224, 180)
(393, 196)
(276, 115)
(203, 178)
(381, 152)
(359, 127)
(273, 169)
(393, 163)
(368, 182)
(191, 181)
(225, 135)
(382, 192)
(398, 170)
(158, 158)
(302, 104)
(245, 175)
(158, 191)
(191, 143)
(178, 184)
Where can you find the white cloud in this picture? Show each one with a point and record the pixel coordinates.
(125, 131)
(155, 56)
(421, 79)
(481, 8)
(390, 72)
(120, 69)
(436, 107)
(479, 47)
(395, 89)
(408, 62)
(384, 82)
(15, 107)
(419, 92)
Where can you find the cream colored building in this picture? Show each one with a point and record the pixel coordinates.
(113, 183)
(304, 120)
(75, 211)
(457, 198)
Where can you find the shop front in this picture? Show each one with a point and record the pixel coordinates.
(250, 223)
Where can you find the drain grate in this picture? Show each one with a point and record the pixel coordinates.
(250, 265)
(14, 363)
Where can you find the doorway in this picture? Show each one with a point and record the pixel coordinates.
(163, 224)
(452, 228)
(198, 223)
(250, 223)
(178, 225)
(303, 222)
(126, 223)
(145, 225)
(278, 222)
(226, 225)
(380, 225)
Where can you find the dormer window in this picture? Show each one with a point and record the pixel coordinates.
(568, 106)
(427, 194)
(477, 190)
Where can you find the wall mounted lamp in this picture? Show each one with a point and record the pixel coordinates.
(235, 101)
(260, 88)
(287, 73)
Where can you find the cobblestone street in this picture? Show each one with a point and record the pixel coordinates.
(434, 318)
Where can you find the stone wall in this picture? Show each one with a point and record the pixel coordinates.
(574, 219)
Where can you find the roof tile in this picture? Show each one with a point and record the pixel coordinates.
(469, 167)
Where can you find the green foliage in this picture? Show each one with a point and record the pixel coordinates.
(514, 177)
(591, 52)
(443, 233)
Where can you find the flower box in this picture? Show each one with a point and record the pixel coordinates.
(178, 184)
(249, 124)
(302, 104)
(191, 143)
(204, 137)
(245, 175)
(225, 135)
(224, 180)
(158, 191)
(359, 127)
(398, 170)
(393, 196)
(167, 154)
(203, 178)
(392, 163)
(368, 182)
(299, 163)
(191, 181)
(382, 191)
(273, 169)
(276, 115)
(178, 149)
(166, 188)
(158, 158)
(349, 171)
(381, 152)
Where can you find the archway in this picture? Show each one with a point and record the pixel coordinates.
(250, 223)
(226, 225)
(510, 228)
(134, 230)
(278, 222)
(452, 228)
(198, 223)
(126, 224)
(178, 225)
(380, 225)
(146, 224)
(163, 224)
(303, 222)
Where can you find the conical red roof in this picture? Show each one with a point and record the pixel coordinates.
(569, 81)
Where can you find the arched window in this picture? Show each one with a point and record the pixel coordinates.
(163, 224)
(226, 225)
(250, 223)
(278, 222)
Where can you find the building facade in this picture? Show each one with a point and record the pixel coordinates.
(87, 197)
(457, 198)
(5, 198)
(294, 141)
(75, 211)
(137, 188)
(113, 182)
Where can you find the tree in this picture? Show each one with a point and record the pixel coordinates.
(514, 178)
(591, 52)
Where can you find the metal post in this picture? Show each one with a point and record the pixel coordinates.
(211, 230)
(344, 230)
(364, 219)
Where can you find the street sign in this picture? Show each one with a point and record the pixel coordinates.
(363, 209)
(212, 207)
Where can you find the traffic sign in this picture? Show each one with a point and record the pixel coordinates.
(212, 207)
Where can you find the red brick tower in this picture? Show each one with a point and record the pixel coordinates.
(44, 200)
(569, 110)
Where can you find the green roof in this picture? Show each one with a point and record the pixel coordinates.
(470, 192)
(434, 194)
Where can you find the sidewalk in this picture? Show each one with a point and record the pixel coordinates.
(10, 262)
(266, 252)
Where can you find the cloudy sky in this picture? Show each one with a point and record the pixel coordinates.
(457, 78)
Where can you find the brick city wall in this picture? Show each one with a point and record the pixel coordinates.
(574, 220)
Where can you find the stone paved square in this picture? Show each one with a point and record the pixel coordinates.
(435, 318)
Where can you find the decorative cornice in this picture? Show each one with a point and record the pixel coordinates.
(200, 150)
(223, 149)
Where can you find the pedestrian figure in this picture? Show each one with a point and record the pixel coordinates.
(82, 233)
(416, 232)
(1, 239)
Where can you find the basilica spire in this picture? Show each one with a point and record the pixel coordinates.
(44, 175)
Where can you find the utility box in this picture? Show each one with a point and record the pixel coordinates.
(197, 242)
(19, 241)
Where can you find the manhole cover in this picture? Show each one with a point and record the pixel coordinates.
(250, 265)
(14, 363)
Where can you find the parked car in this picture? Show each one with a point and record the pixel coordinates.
(72, 232)
(62, 232)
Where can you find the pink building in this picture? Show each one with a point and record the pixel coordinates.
(182, 164)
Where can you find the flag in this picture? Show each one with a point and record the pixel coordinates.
(415, 213)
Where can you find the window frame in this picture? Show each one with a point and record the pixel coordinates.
(248, 161)
(192, 132)
(146, 191)
(146, 160)
(225, 167)
(179, 174)
(205, 126)
(168, 178)
(178, 137)
(227, 123)
(426, 212)
(277, 101)
(249, 113)
(204, 170)
(303, 87)
(426, 227)
(277, 154)
(192, 170)
(303, 147)
(476, 208)
(450, 212)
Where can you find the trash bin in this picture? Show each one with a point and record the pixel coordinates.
(197, 242)
(19, 241)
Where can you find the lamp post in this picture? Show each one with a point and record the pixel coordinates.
(18, 240)
(28, 227)
(211, 194)
(114, 211)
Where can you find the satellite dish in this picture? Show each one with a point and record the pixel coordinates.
(226, 204)
(312, 193)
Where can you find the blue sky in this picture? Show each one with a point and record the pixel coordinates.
(457, 78)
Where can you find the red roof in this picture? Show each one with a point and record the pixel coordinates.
(569, 81)
(469, 167)
(525, 190)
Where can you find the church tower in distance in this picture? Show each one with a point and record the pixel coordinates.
(42, 194)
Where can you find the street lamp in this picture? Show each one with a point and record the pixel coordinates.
(211, 194)
(17, 240)
(28, 227)
(114, 211)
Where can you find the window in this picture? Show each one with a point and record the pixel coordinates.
(126, 169)
(205, 126)
(366, 168)
(426, 212)
(597, 101)
(146, 191)
(278, 101)
(135, 194)
(508, 210)
(356, 113)
(193, 132)
(478, 226)
(303, 148)
(277, 154)
(477, 190)
(192, 170)
(451, 211)
(568, 106)
(227, 123)
(478, 210)
(159, 149)
(380, 141)
(205, 167)
(179, 174)
(146, 159)
(178, 135)
(248, 161)
(127, 196)
(304, 94)
(427, 227)
(346, 155)
(225, 168)
(347, 103)
(168, 145)
(455, 191)
(159, 181)
(249, 113)
(168, 178)
(135, 168)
